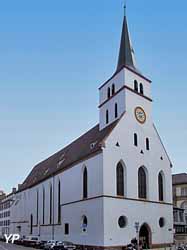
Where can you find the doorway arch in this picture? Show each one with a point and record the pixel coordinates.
(145, 236)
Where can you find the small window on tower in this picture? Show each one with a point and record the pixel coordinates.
(135, 140)
(107, 117)
(141, 89)
(147, 144)
(113, 89)
(108, 93)
(135, 85)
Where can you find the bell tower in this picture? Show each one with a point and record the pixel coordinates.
(125, 86)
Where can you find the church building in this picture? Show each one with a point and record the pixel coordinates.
(114, 182)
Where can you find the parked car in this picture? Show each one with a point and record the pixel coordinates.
(50, 244)
(64, 245)
(31, 241)
(40, 244)
(20, 241)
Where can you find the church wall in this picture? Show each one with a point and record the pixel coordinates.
(71, 191)
(141, 212)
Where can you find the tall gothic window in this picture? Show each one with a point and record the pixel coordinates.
(31, 224)
(43, 205)
(142, 183)
(135, 140)
(113, 89)
(107, 117)
(85, 184)
(50, 204)
(120, 179)
(136, 86)
(147, 144)
(37, 206)
(161, 187)
(116, 110)
(141, 89)
(108, 93)
(59, 202)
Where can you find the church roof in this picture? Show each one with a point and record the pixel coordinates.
(179, 179)
(86, 145)
(126, 54)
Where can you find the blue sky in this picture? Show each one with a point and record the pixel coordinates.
(55, 54)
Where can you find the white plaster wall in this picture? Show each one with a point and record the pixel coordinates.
(118, 80)
(110, 106)
(129, 81)
(141, 212)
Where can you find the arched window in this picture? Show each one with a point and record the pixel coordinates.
(113, 89)
(120, 179)
(37, 206)
(147, 144)
(135, 85)
(31, 224)
(59, 202)
(50, 204)
(160, 187)
(141, 89)
(108, 93)
(85, 184)
(116, 110)
(107, 117)
(43, 205)
(142, 183)
(84, 223)
(135, 140)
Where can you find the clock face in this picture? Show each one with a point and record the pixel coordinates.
(140, 115)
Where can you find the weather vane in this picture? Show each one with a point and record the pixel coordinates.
(125, 7)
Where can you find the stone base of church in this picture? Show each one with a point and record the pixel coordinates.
(154, 246)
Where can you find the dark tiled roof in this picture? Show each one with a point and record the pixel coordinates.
(84, 146)
(179, 178)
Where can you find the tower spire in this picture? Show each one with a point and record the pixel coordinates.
(126, 54)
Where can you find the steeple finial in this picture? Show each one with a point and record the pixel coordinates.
(125, 7)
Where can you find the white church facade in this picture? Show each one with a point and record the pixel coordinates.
(116, 175)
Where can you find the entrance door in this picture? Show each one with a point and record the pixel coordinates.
(145, 236)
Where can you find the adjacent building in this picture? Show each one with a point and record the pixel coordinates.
(5, 213)
(180, 206)
(115, 177)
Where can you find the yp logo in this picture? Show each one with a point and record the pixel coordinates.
(11, 237)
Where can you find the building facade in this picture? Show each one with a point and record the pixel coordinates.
(180, 203)
(114, 177)
(5, 213)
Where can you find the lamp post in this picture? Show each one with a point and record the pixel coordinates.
(137, 226)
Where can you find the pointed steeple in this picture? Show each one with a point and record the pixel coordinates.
(126, 53)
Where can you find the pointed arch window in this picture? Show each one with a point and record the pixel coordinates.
(43, 205)
(50, 204)
(116, 110)
(135, 139)
(37, 206)
(161, 187)
(120, 179)
(59, 202)
(113, 89)
(108, 92)
(147, 144)
(142, 183)
(141, 89)
(135, 85)
(107, 116)
(31, 224)
(85, 183)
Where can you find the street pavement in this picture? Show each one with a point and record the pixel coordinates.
(4, 246)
